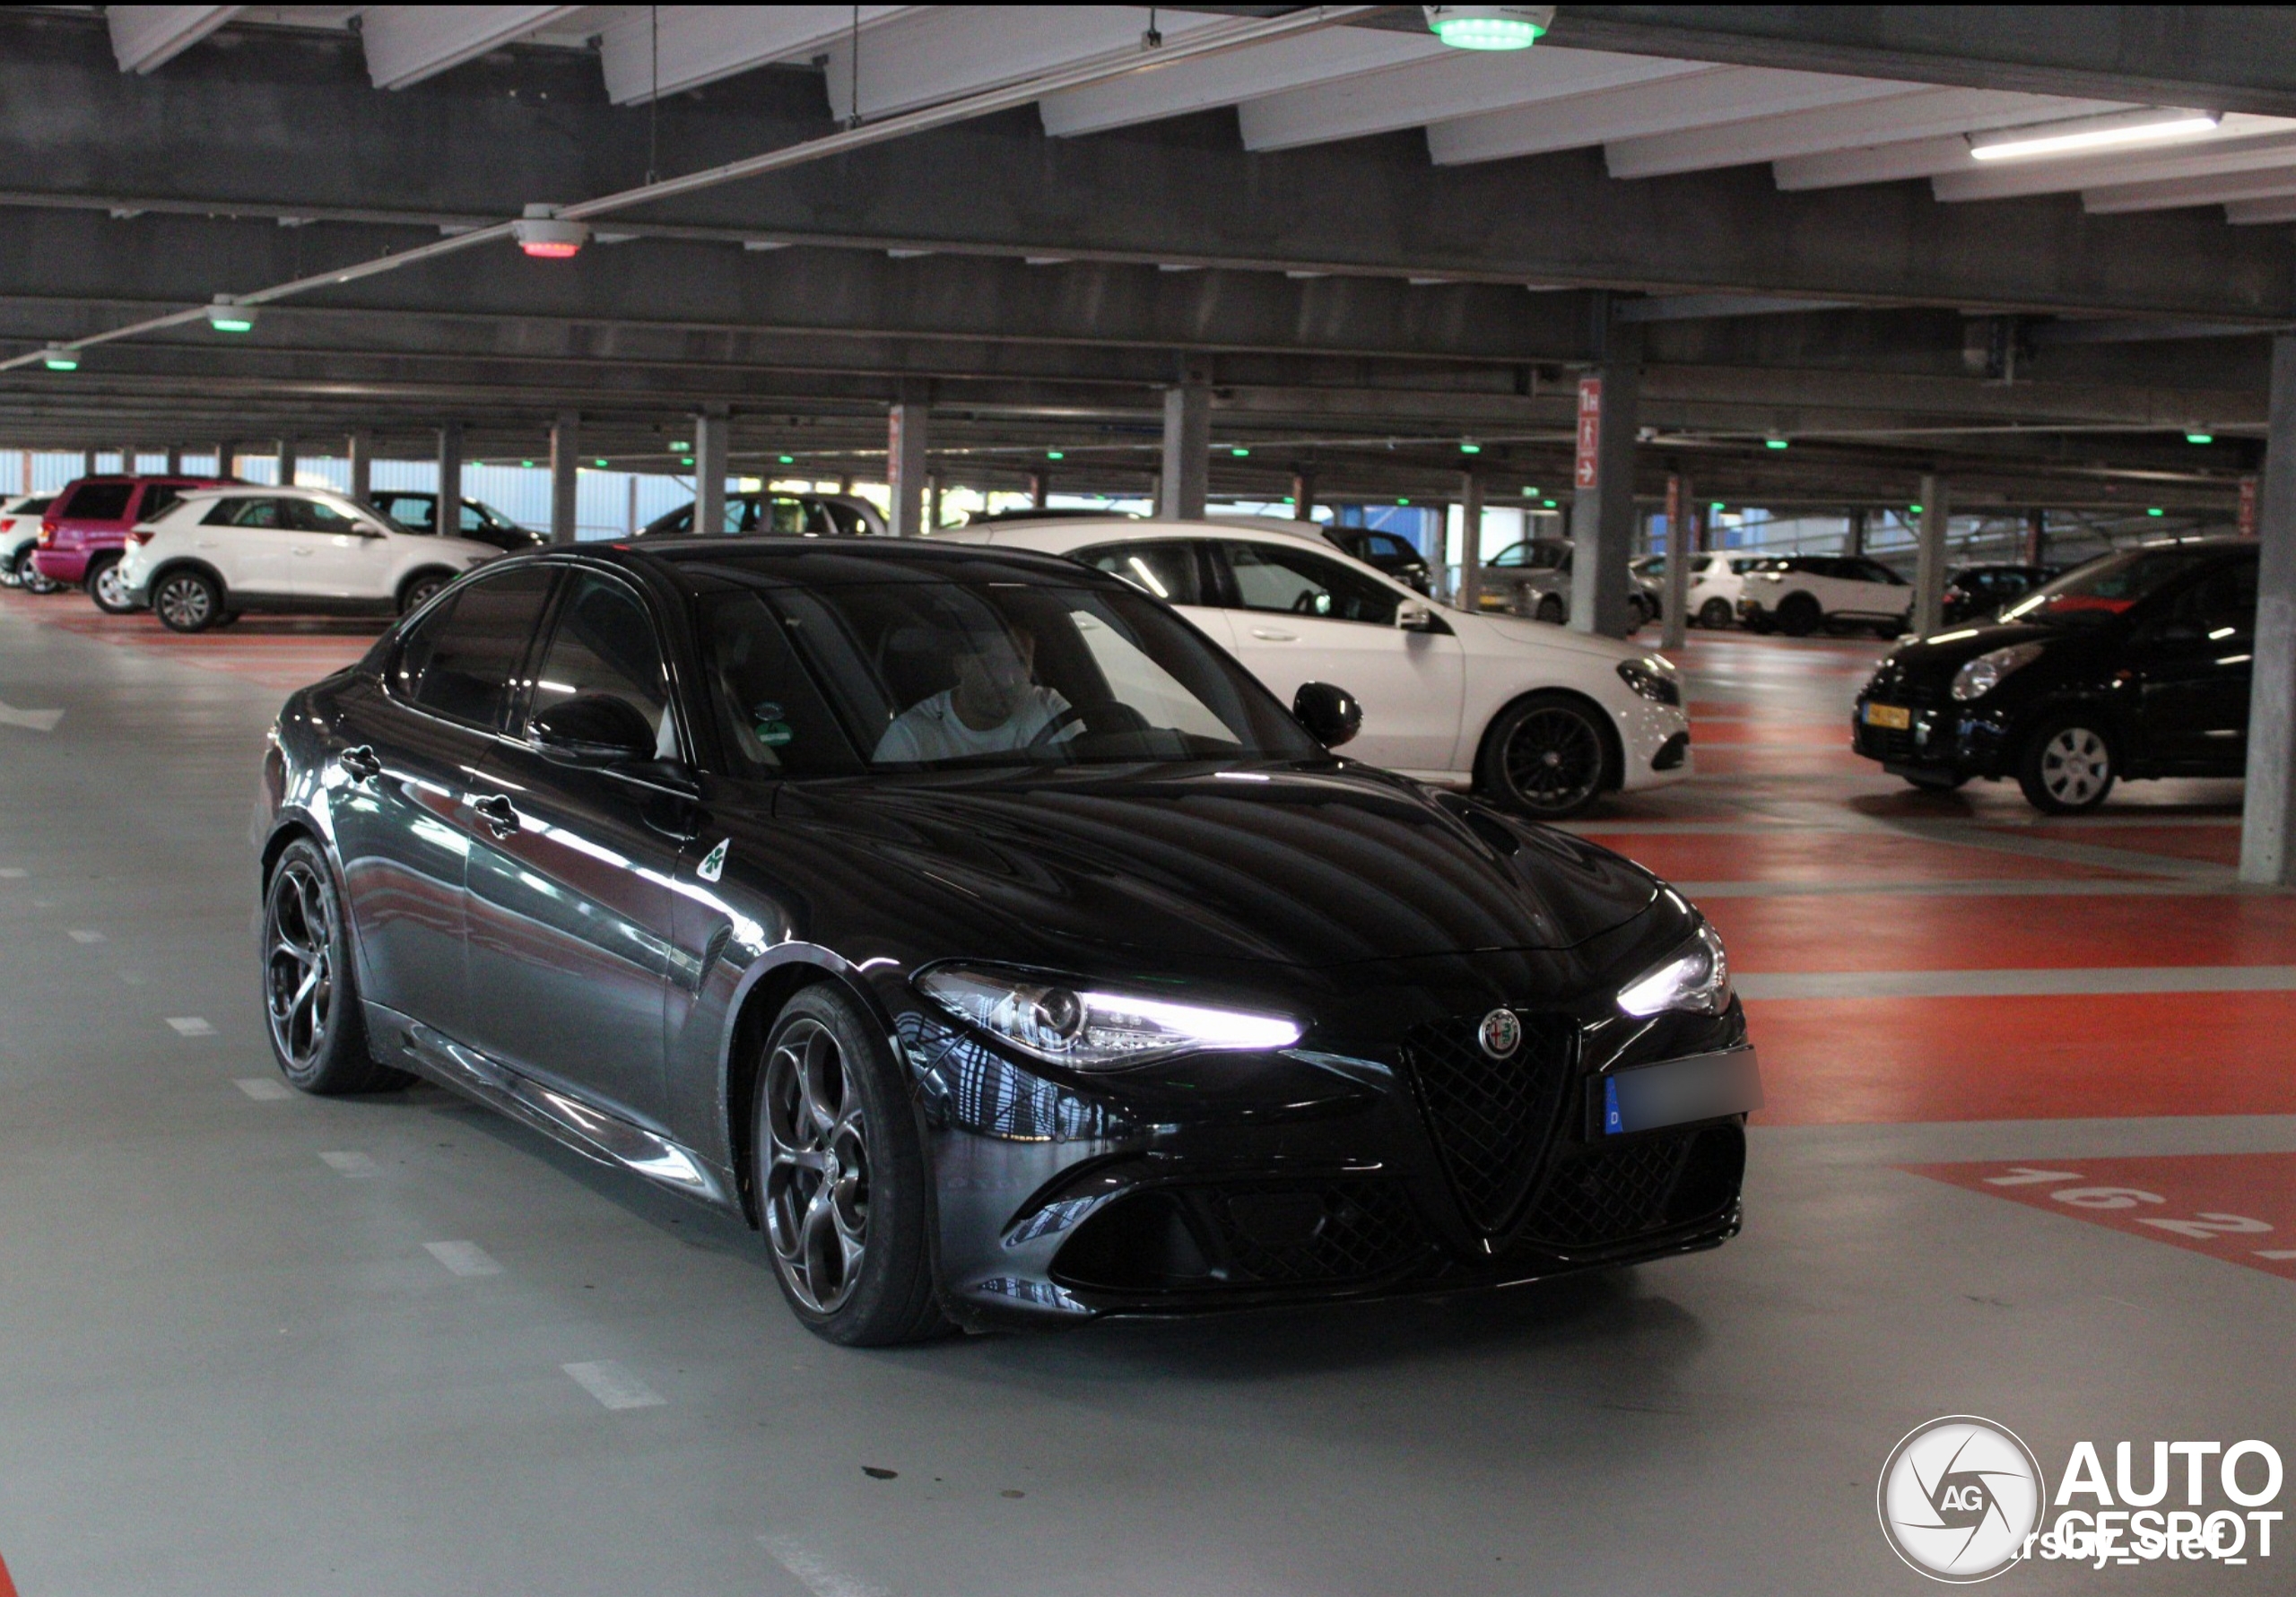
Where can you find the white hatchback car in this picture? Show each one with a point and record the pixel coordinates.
(1538, 719)
(18, 537)
(1798, 593)
(217, 551)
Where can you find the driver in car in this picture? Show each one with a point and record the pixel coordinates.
(997, 707)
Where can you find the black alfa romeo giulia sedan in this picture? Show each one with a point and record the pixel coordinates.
(985, 936)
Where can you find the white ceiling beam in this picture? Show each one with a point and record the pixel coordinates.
(406, 44)
(1883, 163)
(2241, 143)
(939, 52)
(2252, 212)
(1458, 84)
(1717, 94)
(145, 37)
(2121, 198)
(684, 47)
(1924, 112)
(1325, 58)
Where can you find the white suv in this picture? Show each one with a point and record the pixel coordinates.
(1540, 720)
(18, 537)
(218, 551)
(1797, 595)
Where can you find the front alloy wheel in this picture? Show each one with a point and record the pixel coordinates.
(311, 999)
(1546, 757)
(2067, 767)
(817, 1167)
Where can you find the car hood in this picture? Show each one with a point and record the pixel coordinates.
(1303, 866)
(1942, 653)
(1545, 638)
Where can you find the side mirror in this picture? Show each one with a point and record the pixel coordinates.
(593, 729)
(1331, 715)
(1413, 617)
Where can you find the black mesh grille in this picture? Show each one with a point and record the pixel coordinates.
(1345, 1231)
(1607, 1194)
(1491, 1117)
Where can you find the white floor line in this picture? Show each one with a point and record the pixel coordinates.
(463, 1258)
(12, 873)
(264, 1089)
(613, 1386)
(821, 1577)
(2017, 983)
(84, 935)
(190, 1026)
(352, 1164)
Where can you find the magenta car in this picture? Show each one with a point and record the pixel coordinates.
(86, 526)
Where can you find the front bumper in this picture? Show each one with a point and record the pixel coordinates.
(1385, 1155)
(1940, 742)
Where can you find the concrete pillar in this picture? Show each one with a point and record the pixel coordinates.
(450, 476)
(565, 476)
(1929, 560)
(936, 488)
(2036, 537)
(710, 453)
(905, 443)
(362, 463)
(1040, 489)
(1469, 541)
(1674, 628)
(2268, 811)
(287, 463)
(87, 462)
(1187, 453)
(630, 507)
(227, 459)
(174, 465)
(1303, 493)
(1602, 517)
(1857, 532)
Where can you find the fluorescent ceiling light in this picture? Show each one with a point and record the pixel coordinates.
(56, 358)
(543, 237)
(2114, 130)
(1489, 27)
(227, 317)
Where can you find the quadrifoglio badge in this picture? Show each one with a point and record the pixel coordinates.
(1963, 1499)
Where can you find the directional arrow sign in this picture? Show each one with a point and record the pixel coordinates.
(30, 720)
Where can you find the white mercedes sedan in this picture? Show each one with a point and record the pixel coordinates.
(1540, 720)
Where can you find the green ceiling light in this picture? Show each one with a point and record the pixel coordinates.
(1240, 451)
(526, 463)
(2200, 437)
(1546, 504)
(1774, 442)
(56, 358)
(2155, 510)
(1909, 509)
(1056, 454)
(224, 316)
(786, 459)
(685, 460)
(1489, 27)
(1467, 448)
(679, 446)
(1717, 507)
(599, 463)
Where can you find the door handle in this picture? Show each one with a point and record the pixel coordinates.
(500, 817)
(362, 763)
(1270, 635)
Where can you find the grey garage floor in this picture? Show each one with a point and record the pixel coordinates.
(236, 1357)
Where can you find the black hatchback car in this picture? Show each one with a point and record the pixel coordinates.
(2134, 665)
(983, 934)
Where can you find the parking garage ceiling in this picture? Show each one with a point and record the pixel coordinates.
(1376, 248)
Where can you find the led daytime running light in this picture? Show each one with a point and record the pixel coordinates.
(1696, 980)
(1092, 1029)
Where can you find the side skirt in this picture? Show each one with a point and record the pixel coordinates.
(586, 1129)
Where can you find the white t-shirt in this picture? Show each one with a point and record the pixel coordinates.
(931, 729)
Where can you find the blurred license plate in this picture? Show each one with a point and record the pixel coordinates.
(1897, 717)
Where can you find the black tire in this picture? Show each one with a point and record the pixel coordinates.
(418, 588)
(1715, 614)
(103, 585)
(1799, 615)
(311, 992)
(1550, 608)
(187, 600)
(840, 1170)
(2068, 764)
(35, 580)
(1548, 757)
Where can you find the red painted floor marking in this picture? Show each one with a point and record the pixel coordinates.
(1900, 932)
(1827, 857)
(2217, 845)
(7, 1587)
(1766, 733)
(2237, 1207)
(1894, 1061)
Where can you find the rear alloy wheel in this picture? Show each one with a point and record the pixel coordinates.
(418, 592)
(1546, 757)
(187, 602)
(1549, 608)
(2067, 765)
(108, 587)
(1799, 615)
(842, 1177)
(1715, 614)
(311, 998)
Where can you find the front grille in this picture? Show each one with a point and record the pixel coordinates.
(1606, 1194)
(1243, 1236)
(1490, 1118)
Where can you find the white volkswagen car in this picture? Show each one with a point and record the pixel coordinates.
(217, 551)
(1540, 720)
(18, 537)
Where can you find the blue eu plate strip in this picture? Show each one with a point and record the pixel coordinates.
(1611, 1126)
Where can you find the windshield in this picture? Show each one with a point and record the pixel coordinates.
(921, 675)
(2103, 588)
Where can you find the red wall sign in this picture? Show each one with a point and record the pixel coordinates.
(1590, 428)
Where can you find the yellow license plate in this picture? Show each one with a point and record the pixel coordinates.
(1897, 717)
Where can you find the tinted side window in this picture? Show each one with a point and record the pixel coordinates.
(1168, 568)
(245, 512)
(770, 718)
(99, 501)
(605, 642)
(1387, 546)
(2226, 598)
(157, 498)
(459, 659)
(417, 512)
(787, 517)
(309, 516)
(1301, 582)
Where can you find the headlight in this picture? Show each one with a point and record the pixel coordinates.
(1982, 676)
(1088, 1027)
(1652, 678)
(1695, 979)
